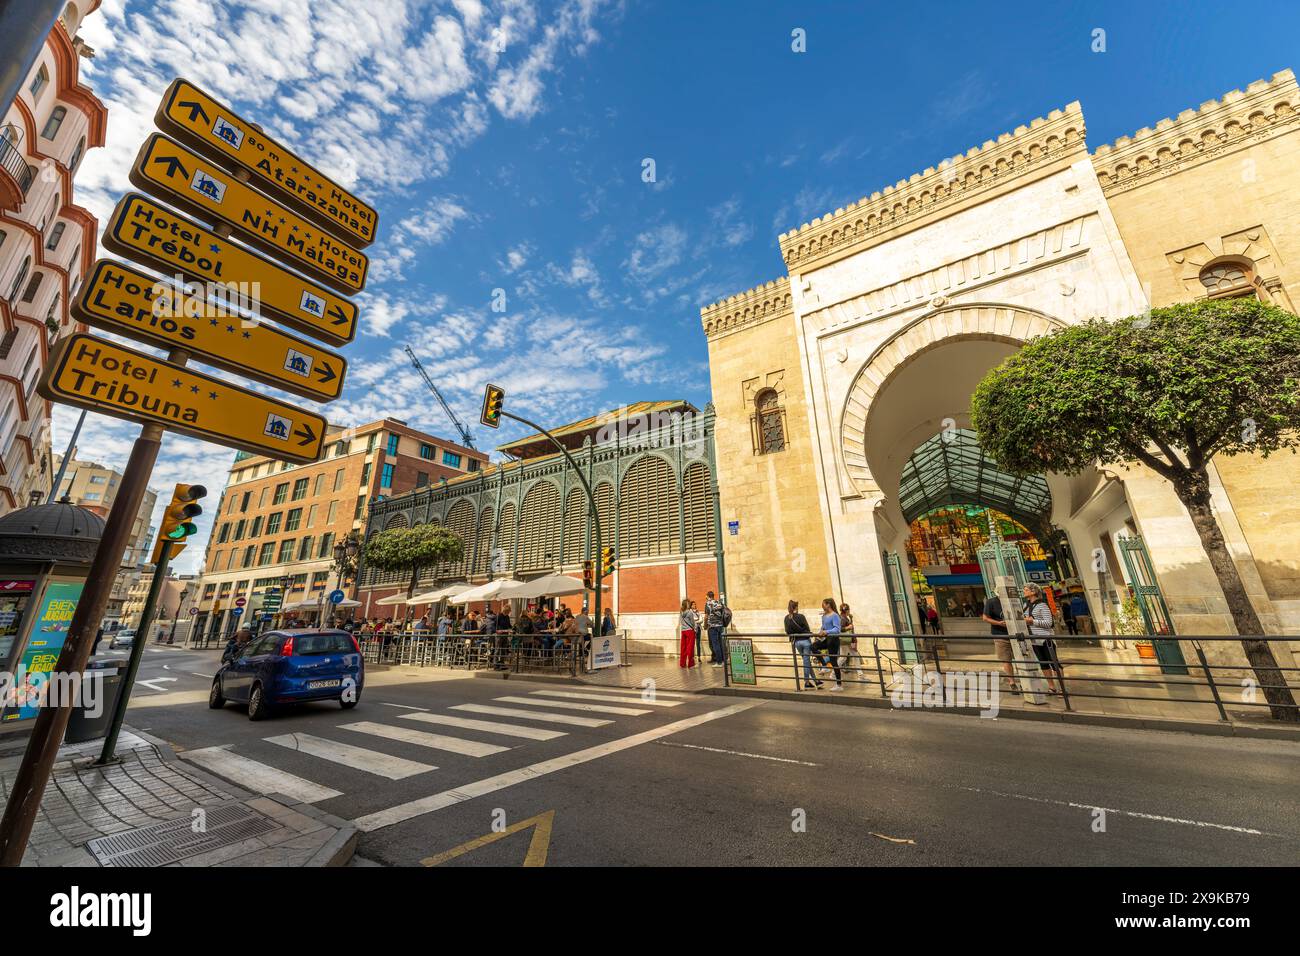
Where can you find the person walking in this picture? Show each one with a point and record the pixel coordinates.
(1067, 615)
(847, 634)
(713, 612)
(1038, 616)
(932, 616)
(921, 616)
(687, 623)
(829, 640)
(800, 635)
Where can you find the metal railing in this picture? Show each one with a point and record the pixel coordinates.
(503, 651)
(11, 158)
(883, 664)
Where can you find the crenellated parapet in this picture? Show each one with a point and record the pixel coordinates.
(942, 188)
(763, 303)
(1216, 129)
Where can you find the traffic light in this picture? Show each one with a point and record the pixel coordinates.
(176, 523)
(606, 562)
(588, 574)
(493, 399)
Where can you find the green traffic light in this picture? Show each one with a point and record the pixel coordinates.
(183, 530)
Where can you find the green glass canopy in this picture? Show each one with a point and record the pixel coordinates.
(952, 469)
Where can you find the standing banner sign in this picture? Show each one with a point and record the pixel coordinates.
(740, 656)
(604, 651)
(49, 631)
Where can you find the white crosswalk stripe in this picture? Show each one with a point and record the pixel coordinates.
(533, 715)
(610, 698)
(469, 748)
(257, 777)
(489, 726)
(358, 758)
(564, 705)
(613, 689)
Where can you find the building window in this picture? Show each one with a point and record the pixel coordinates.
(209, 590)
(338, 479)
(261, 499)
(450, 459)
(225, 590)
(286, 550)
(268, 552)
(334, 507)
(19, 279)
(340, 449)
(99, 479)
(320, 484)
(256, 529)
(95, 496)
(55, 235)
(473, 464)
(244, 504)
(426, 451)
(304, 548)
(300, 488)
(52, 124)
(273, 522)
(294, 519)
(361, 508)
(370, 442)
(319, 579)
(224, 534)
(386, 477)
(768, 423)
(311, 516)
(39, 82)
(421, 479)
(1229, 279)
(365, 473)
(75, 161)
(239, 529)
(281, 492)
(392, 444)
(248, 555)
(326, 545)
(33, 287)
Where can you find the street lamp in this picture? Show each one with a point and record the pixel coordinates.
(345, 553)
(185, 592)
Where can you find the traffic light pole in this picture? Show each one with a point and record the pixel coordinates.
(598, 570)
(52, 720)
(137, 652)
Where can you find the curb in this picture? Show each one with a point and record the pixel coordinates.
(340, 848)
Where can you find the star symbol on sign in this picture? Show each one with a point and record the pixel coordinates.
(282, 220)
(248, 335)
(194, 389)
(214, 247)
(176, 383)
(230, 328)
(295, 228)
(212, 394)
(212, 321)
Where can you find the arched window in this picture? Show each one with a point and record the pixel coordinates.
(768, 423)
(39, 81)
(1229, 279)
(50, 213)
(75, 161)
(483, 543)
(504, 557)
(460, 522)
(52, 124)
(698, 494)
(55, 235)
(19, 279)
(575, 526)
(649, 522)
(33, 287)
(539, 527)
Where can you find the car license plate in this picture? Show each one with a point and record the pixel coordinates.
(314, 684)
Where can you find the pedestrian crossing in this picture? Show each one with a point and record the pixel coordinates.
(472, 730)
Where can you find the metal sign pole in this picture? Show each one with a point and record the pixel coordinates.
(137, 653)
(51, 722)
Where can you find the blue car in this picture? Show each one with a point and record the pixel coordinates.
(289, 667)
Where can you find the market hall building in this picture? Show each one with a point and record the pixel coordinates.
(842, 388)
(651, 468)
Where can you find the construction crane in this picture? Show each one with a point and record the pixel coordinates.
(466, 438)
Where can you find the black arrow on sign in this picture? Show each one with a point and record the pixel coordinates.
(306, 434)
(326, 373)
(335, 310)
(196, 109)
(172, 163)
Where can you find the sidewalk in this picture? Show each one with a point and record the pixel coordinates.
(150, 809)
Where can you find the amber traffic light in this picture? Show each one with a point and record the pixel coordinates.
(493, 399)
(176, 522)
(606, 562)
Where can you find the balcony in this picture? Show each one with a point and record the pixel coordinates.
(16, 177)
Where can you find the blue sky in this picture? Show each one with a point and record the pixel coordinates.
(504, 141)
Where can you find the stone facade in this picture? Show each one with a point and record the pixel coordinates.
(896, 306)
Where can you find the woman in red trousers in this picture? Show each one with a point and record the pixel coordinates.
(687, 625)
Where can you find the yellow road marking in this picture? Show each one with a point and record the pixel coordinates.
(537, 847)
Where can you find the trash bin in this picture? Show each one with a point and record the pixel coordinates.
(81, 725)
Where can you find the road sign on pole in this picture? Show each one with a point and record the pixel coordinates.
(125, 300)
(213, 129)
(174, 173)
(106, 377)
(142, 230)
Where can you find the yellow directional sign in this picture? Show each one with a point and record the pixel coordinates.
(198, 120)
(171, 171)
(142, 230)
(121, 299)
(106, 377)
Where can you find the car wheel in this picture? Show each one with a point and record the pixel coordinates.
(349, 704)
(215, 700)
(257, 706)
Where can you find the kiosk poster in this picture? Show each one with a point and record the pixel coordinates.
(48, 633)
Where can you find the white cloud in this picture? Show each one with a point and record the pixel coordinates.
(655, 251)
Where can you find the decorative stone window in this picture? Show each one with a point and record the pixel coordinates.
(1231, 279)
(768, 423)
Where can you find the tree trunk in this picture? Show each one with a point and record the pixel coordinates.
(1195, 494)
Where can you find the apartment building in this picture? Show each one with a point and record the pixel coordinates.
(277, 520)
(47, 243)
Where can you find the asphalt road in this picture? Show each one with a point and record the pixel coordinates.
(693, 779)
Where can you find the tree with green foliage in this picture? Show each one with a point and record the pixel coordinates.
(411, 550)
(1170, 389)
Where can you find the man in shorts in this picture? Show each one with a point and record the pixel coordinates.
(993, 616)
